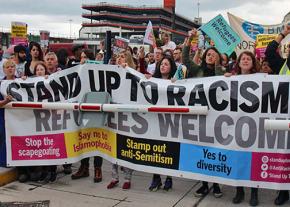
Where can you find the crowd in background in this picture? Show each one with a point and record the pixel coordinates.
(166, 61)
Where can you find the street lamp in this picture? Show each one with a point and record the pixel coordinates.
(70, 21)
(198, 4)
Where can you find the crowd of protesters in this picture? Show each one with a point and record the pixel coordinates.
(166, 61)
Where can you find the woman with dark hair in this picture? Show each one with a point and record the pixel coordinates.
(166, 69)
(36, 55)
(210, 59)
(87, 54)
(225, 61)
(210, 66)
(166, 61)
(246, 64)
(265, 67)
(62, 57)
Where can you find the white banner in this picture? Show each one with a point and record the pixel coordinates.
(149, 35)
(228, 146)
(248, 31)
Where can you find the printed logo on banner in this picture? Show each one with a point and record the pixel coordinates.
(215, 162)
(271, 167)
(252, 29)
(148, 152)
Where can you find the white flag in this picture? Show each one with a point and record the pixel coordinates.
(149, 35)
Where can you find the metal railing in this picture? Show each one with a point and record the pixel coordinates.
(122, 5)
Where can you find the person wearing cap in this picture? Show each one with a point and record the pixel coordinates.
(20, 60)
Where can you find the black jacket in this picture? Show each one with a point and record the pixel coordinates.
(275, 60)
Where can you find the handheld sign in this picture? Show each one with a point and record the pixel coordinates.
(225, 38)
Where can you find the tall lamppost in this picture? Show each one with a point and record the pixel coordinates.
(198, 4)
(70, 21)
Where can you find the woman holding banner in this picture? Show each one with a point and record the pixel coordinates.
(48, 172)
(124, 59)
(246, 64)
(165, 70)
(9, 68)
(33, 173)
(210, 66)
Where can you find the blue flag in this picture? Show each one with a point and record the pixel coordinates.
(224, 37)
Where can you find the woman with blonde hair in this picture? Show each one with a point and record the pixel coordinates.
(124, 59)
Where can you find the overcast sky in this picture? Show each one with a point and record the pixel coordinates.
(54, 15)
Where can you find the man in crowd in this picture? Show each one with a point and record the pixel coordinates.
(177, 55)
(168, 44)
(20, 60)
(158, 55)
(51, 63)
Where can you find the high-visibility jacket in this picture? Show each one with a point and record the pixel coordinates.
(285, 69)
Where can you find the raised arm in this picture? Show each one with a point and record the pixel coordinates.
(275, 60)
(191, 66)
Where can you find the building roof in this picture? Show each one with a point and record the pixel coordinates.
(130, 17)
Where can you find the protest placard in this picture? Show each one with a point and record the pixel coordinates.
(224, 37)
